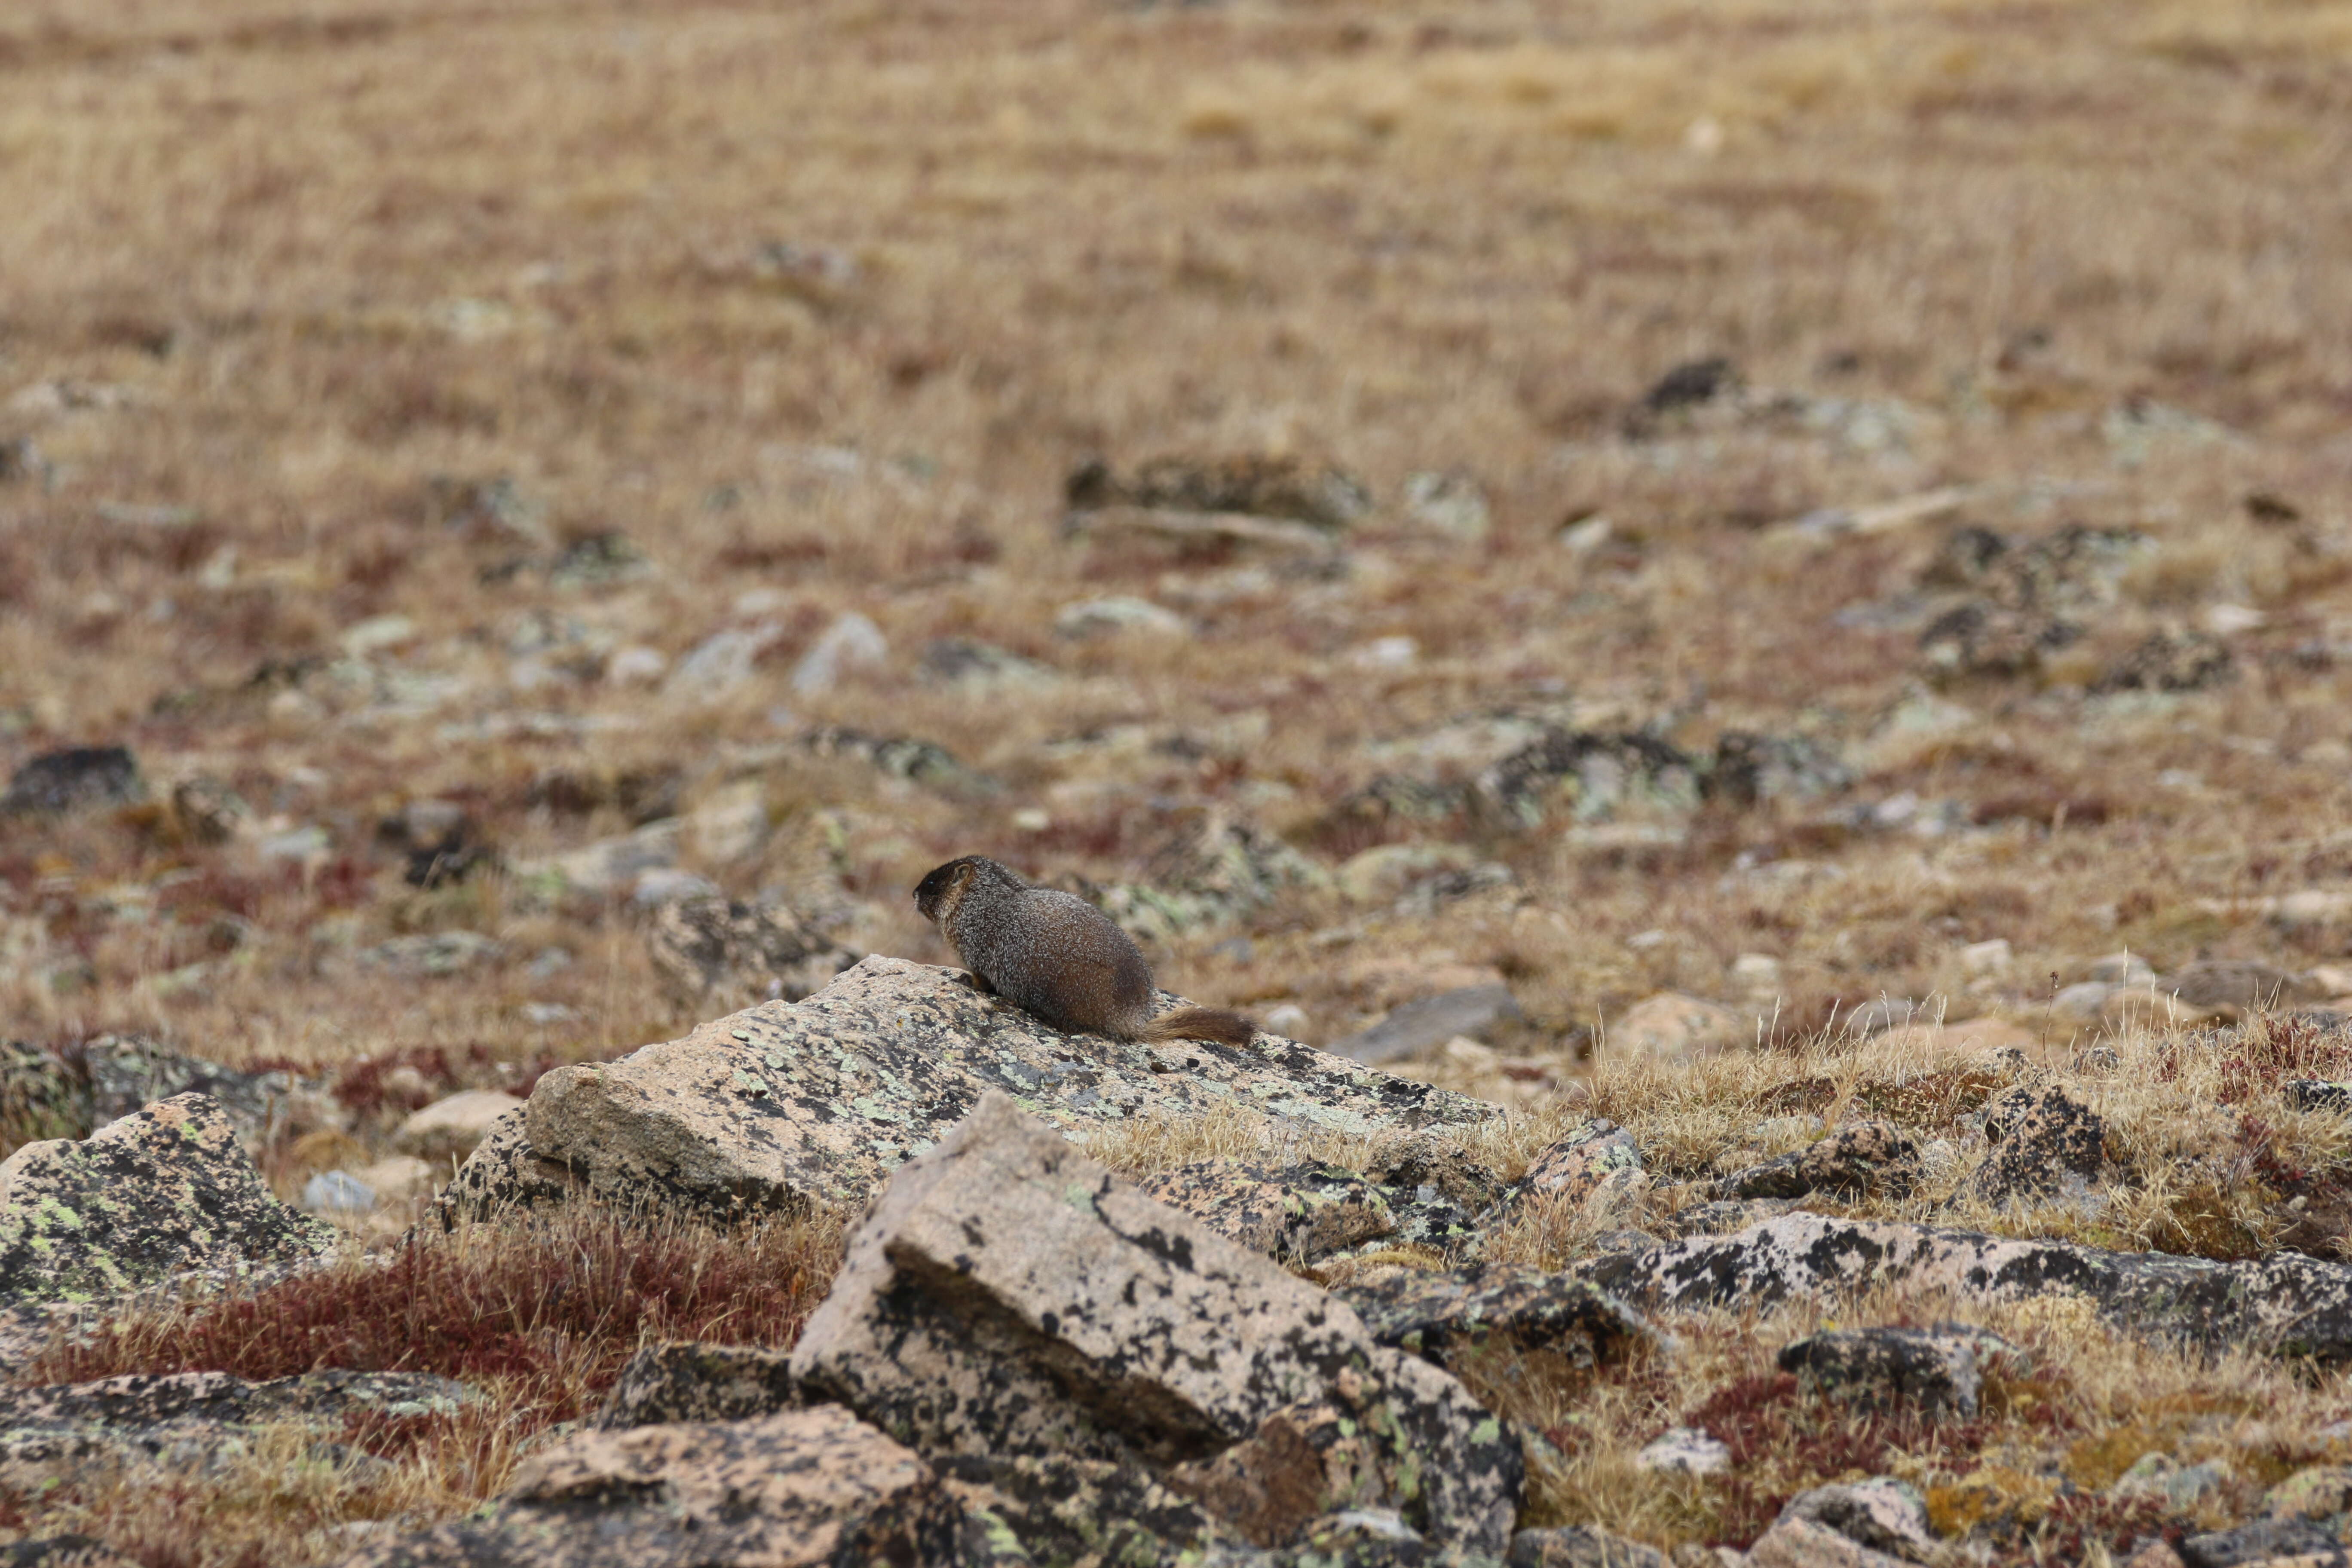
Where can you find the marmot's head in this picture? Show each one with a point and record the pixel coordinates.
(938, 893)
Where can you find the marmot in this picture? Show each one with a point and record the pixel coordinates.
(1058, 956)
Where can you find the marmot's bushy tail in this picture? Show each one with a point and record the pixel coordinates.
(1220, 1024)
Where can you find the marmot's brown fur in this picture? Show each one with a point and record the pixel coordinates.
(1058, 956)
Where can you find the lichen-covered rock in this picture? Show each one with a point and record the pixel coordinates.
(717, 953)
(1723, 1215)
(1007, 1296)
(1254, 484)
(162, 1192)
(69, 1550)
(686, 1380)
(1596, 1164)
(1508, 1308)
(2318, 1492)
(1063, 1509)
(1359, 1448)
(2046, 1145)
(1858, 1158)
(2286, 1304)
(2275, 1543)
(1587, 777)
(809, 1488)
(188, 1420)
(1801, 1543)
(41, 1096)
(1302, 1212)
(1581, 1546)
(1882, 1514)
(1938, 1369)
(127, 1071)
(77, 778)
(786, 1104)
(1210, 871)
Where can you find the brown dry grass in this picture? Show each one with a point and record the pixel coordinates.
(273, 270)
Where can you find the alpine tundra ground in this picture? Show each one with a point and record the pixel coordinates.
(1813, 545)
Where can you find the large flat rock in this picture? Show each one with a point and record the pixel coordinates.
(2288, 1303)
(786, 1103)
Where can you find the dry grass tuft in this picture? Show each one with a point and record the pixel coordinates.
(536, 1316)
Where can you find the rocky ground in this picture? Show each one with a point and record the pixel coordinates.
(1730, 623)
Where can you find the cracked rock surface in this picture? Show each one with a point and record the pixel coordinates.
(786, 1103)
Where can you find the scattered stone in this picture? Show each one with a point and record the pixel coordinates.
(453, 1126)
(432, 955)
(1887, 1013)
(802, 1489)
(1882, 1514)
(2285, 1304)
(1937, 1370)
(781, 1105)
(2128, 969)
(162, 1192)
(1249, 484)
(1858, 1158)
(2233, 989)
(1668, 1027)
(2045, 1144)
(1209, 871)
(1065, 1509)
(898, 756)
(2170, 661)
(599, 560)
(971, 665)
(1981, 639)
(1119, 613)
(1581, 1546)
(2315, 1492)
(207, 811)
(1801, 1543)
(1297, 1212)
(2161, 1477)
(337, 1193)
(686, 1380)
(191, 1419)
(80, 778)
(1451, 1317)
(1387, 872)
(1007, 1296)
(1690, 385)
(721, 662)
(1452, 504)
(1589, 777)
(1595, 1165)
(608, 866)
(1420, 1026)
(2279, 1542)
(730, 826)
(717, 953)
(853, 644)
(1686, 1449)
(124, 1072)
(1980, 959)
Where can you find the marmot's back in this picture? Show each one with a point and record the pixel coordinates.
(1057, 955)
(1065, 961)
